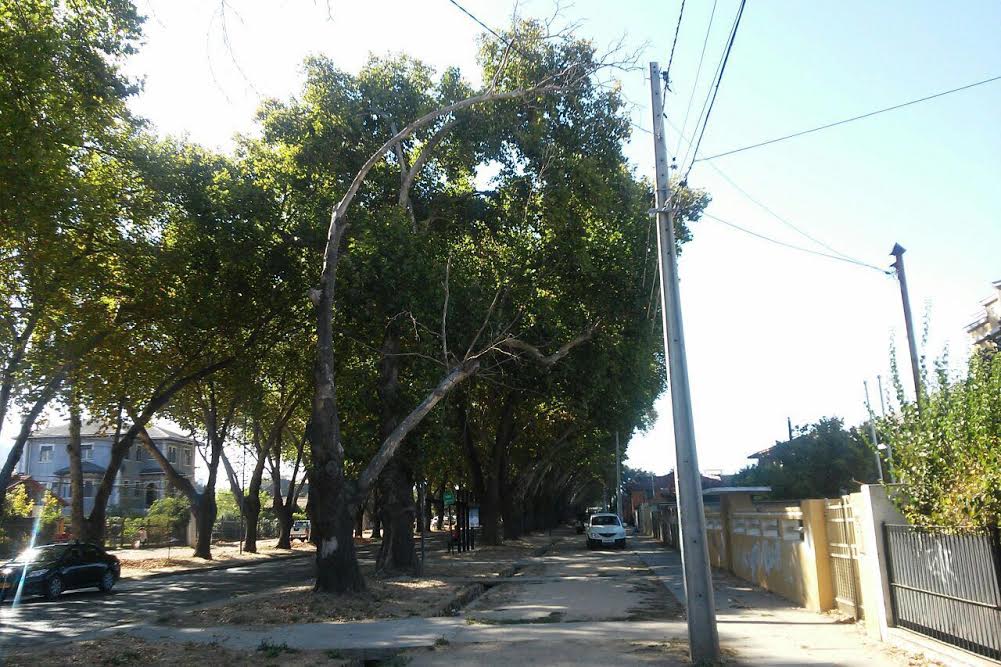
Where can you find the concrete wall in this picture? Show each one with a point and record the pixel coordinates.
(783, 549)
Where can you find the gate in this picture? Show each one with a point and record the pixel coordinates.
(841, 545)
(944, 584)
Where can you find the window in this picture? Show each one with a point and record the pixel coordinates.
(605, 520)
(172, 454)
(86, 452)
(139, 453)
(125, 489)
(137, 490)
(88, 489)
(187, 456)
(45, 454)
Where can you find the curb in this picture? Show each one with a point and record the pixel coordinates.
(215, 568)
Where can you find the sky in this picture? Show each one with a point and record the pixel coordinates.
(771, 333)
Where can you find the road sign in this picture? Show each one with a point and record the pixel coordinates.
(449, 498)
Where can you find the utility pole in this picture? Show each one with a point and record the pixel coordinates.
(882, 408)
(618, 478)
(872, 432)
(789, 424)
(703, 637)
(882, 403)
(898, 252)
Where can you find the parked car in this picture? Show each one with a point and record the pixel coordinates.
(605, 529)
(53, 568)
(300, 530)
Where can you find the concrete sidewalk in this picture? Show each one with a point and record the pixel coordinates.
(763, 629)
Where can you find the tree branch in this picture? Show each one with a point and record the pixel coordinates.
(553, 358)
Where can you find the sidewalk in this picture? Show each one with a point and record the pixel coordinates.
(764, 629)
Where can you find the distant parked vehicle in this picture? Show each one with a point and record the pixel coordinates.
(605, 529)
(53, 568)
(300, 530)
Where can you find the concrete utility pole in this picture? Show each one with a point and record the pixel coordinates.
(882, 407)
(872, 431)
(789, 424)
(703, 637)
(618, 478)
(898, 252)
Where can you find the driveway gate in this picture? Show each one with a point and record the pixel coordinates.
(944, 583)
(841, 545)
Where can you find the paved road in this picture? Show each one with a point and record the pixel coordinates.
(84, 611)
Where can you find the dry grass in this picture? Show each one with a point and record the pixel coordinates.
(385, 598)
(126, 651)
(140, 562)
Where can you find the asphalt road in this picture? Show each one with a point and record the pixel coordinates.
(80, 612)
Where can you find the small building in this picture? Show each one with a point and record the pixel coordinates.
(985, 329)
(140, 479)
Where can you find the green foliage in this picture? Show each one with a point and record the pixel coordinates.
(176, 510)
(823, 461)
(947, 455)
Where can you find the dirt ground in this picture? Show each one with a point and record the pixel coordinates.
(446, 577)
(126, 651)
(137, 563)
(385, 598)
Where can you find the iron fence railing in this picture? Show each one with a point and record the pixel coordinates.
(946, 583)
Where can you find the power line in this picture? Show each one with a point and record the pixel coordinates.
(775, 215)
(698, 73)
(482, 24)
(796, 247)
(670, 60)
(762, 206)
(719, 79)
(850, 120)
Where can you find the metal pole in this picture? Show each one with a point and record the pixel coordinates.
(882, 408)
(703, 638)
(618, 478)
(872, 431)
(898, 252)
(789, 425)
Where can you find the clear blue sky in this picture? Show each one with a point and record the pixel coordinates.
(771, 333)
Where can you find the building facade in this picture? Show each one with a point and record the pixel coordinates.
(985, 330)
(140, 479)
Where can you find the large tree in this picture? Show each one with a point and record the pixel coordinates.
(69, 197)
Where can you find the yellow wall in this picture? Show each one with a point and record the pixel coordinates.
(780, 548)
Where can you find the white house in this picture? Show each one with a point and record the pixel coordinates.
(140, 480)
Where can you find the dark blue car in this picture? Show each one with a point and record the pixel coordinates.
(53, 568)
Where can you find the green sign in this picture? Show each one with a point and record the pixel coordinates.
(449, 497)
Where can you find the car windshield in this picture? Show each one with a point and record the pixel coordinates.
(41, 554)
(300, 525)
(605, 520)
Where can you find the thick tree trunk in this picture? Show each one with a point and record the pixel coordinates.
(398, 553)
(251, 514)
(76, 471)
(396, 483)
(205, 514)
(360, 522)
(284, 528)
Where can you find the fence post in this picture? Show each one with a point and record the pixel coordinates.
(872, 508)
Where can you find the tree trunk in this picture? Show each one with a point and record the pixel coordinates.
(360, 522)
(251, 514)
(439, 504)
(396, 483)
(205, 513)
(398, 553)
(284, 528)
(376, 514)
(511, 512)
(76, 471)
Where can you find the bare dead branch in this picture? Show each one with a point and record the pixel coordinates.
(553, 358)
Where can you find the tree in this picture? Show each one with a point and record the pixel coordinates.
(823, 460)
(947, 456)
(67, 196)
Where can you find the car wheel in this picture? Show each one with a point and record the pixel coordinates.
(54, 588)
(107, 581)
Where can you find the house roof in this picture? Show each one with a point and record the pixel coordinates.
(98, 429)
(86, 467)
(665, 484)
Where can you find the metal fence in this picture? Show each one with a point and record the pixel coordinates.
(946, 584)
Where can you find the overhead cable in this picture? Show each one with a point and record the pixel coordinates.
(850, 120)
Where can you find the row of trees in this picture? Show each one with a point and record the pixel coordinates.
(487, 332)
